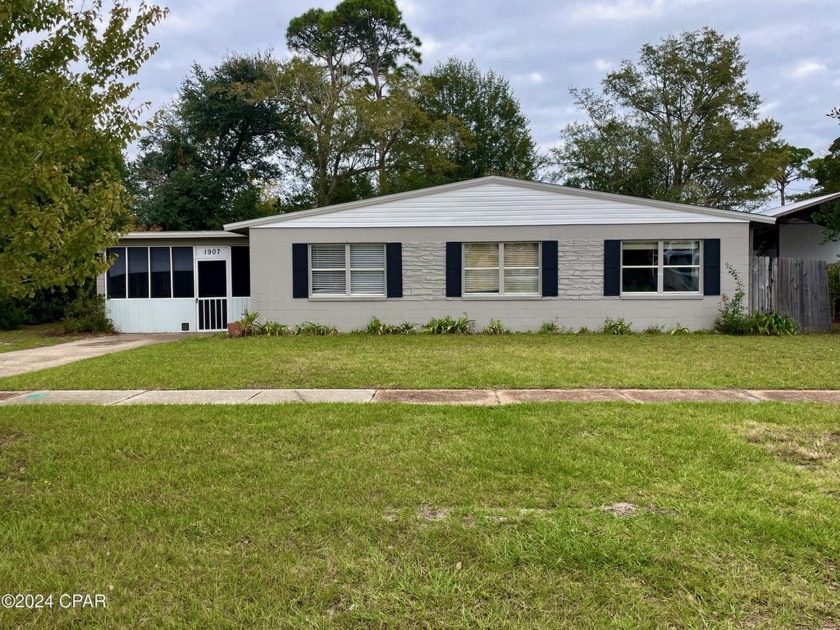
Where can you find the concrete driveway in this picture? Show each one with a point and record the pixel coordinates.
(22, 361)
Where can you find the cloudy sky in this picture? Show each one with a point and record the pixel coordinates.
(545, 47)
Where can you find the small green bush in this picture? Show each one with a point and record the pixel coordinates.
(248, 323)
(551, 328)
(448, 326)
(316, 330)
(653, 329)
(771, 324)
(377, 327)
(270, 328)
(86, 314)
(583, 330)
(616, 326)
(495, 327)
(732, 317)
(11, 315)
(679, 329)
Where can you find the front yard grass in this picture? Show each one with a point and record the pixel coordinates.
(426, 361)
(27, 337)
(583, 516)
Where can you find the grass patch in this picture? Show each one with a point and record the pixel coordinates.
(35, 337)
(456, 361)
(345, 515)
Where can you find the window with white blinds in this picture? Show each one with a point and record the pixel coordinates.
(502, 268)
(351, 269)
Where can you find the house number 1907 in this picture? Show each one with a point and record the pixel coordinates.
(212, 251)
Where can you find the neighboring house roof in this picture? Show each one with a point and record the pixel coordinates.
(498, 201)
(175, 234)
(791, 208)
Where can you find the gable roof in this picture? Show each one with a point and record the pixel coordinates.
(791, 208)
(497, 201)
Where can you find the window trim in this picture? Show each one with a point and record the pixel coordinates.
(501, 269)
(348, 271)
(660, 270)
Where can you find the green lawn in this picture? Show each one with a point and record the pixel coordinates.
(34, 337)
(425, 361)
(404, 516)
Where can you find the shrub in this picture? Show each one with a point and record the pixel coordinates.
(11, 315)
(448, 326)
(495, 327)
(551, 328)
(616, 326)
(732, 316)
(377, 327)
(583, 330)
(270, 328)
(317, 330)
(771, 324)
(653, 329)
(87, 314)
(679, 329)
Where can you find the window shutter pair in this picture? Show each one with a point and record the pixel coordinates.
(393, 270)
(455, 265)
(711, 267)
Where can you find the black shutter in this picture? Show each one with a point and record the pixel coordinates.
(711, 266)
(300, 270)
(612, 267)
(549, 268)
(453, 269)
(393, 265)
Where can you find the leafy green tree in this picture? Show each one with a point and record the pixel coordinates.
(350, 85)
(679, 125)
(214, 152)
(66, 74)
(492, 135)
(791, 166)
(826, 171)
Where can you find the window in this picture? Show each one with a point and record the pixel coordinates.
(332, 275)
(157, 272)
(660, 267)
(502, 268)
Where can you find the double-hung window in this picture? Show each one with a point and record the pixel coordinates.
(348, 269)
(502, 268)
(660, 266)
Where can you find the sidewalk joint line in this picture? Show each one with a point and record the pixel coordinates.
(127, 398)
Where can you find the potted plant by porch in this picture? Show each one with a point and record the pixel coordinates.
(245, 326)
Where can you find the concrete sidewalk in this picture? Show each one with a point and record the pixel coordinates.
(22, 361)
(427, 396)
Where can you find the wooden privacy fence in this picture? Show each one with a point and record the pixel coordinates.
(788, 286)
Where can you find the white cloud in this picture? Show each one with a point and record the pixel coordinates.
(429, 47)
(409, 8)
(619, 11)
(807, 67)
(535, 77)
(603, 65)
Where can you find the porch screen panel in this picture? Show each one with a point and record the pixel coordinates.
(138, 272)
(183, 285)
(161, 272)
(116, 278)
(240, 271)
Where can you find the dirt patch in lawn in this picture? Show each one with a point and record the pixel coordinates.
(805, 449)
(5, 395)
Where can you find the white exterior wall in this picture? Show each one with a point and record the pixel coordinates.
(580, 265)
(804, 240)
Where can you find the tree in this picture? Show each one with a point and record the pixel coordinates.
(65, 79)
(350, 86)
(214, 151)
(791, 165)
(680, 125)
(493, 135)
(826, 171)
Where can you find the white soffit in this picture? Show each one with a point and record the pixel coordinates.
(495, 201)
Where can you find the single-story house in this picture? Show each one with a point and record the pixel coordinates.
(796, 233)
(521, 252)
